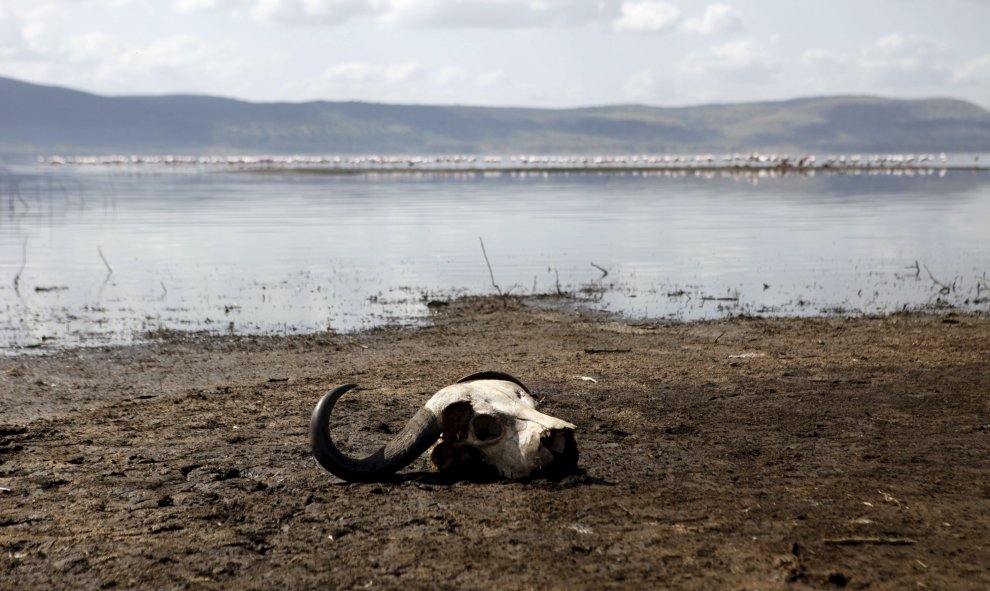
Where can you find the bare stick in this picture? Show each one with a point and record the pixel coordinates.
(15, 192)
(487, 262)
(17, 278)
(944, 288)
(109, 268)
(604, 272)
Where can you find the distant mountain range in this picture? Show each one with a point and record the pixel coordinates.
(44, 120)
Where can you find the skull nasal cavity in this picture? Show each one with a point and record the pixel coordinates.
(486, 427)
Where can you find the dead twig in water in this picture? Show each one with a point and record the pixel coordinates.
(490, 272)
(17, 277)
(604, 272)
(15, 192)
(109, 268)
(556, 274)
(943, 288)
(982, 285)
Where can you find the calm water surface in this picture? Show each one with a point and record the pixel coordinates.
(284, 253)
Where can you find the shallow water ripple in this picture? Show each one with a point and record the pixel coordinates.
(96, 255)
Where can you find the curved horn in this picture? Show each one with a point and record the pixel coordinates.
(494, 375)
(422, 430)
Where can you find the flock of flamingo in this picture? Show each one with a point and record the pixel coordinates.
(671, 163)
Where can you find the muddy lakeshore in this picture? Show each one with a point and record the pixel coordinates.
(738, 454)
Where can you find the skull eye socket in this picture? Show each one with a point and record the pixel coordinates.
(486, 427)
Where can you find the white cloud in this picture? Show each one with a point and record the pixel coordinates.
(974, 71)
(823, 71)
(435, 13)
(450, 75)
(492, 14)
(640, 86)
(746, 67)
(350, 72)
(398, 82)
(554, 52)
(487, 14)
(904, 50)
(718, 18)
(357, 73)
(493, 78)
(21, 30)
(818, 57)
(196, 5)
(12, 43)
(896, 60)
(178, 52)
(746, 56)
(647, 16)
(309, 12)
(110, 64)
(890, 64)
(92, 47)
(403, 72)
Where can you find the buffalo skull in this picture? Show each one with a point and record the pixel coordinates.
(485, 423)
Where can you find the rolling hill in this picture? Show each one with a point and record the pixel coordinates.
(45, 119)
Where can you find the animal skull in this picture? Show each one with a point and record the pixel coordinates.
(485, 422)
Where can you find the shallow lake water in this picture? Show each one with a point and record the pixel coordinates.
(102, 254)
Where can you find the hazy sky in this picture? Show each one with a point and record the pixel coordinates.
(550, 53)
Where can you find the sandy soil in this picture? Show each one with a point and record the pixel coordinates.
(743, 454)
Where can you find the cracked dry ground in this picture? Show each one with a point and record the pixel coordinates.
(743, 453)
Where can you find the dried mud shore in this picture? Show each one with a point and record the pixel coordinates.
(743, 453)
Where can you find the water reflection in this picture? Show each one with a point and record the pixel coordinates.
(277, 252)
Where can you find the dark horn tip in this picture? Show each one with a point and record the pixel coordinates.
(494, 375)
(331, 397)
(319, 429)
(421, 431)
